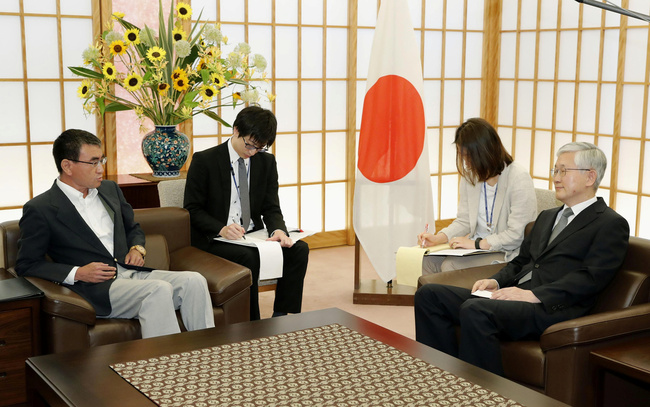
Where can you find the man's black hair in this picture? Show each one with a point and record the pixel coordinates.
(68, 145)
(258, 123)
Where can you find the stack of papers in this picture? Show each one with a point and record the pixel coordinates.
(270, 252)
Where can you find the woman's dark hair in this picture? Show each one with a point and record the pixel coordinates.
(68, 145)
(258, 123)
(480, 155)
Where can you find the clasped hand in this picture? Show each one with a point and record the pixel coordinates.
(95, 272)
(507, 293)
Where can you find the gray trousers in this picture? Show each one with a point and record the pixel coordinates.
(437, 264)
(153, 298)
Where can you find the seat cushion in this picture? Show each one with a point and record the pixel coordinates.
(524, 361)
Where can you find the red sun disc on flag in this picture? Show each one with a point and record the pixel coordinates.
(392, 130)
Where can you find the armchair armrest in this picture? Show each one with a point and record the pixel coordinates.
(225, 278)
(597, 327)
(461, 278)
(63, 302)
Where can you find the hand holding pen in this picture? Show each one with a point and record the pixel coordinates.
(423, 237)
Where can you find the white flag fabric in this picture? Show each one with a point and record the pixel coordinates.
(392, 195)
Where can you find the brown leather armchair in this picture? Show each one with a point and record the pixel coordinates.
(558, 364)
(69, 322)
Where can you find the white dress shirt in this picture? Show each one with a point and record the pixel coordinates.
(95, 215)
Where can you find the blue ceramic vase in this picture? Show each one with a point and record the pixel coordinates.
(166, 150)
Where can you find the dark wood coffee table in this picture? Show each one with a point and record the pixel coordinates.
(84, 378)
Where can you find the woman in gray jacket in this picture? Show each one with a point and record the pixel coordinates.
(497, 201)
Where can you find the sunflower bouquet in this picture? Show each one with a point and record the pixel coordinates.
(170, 75)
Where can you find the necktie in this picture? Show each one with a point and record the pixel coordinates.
(561, 224)
(243, 195)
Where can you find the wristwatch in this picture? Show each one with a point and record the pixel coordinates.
(140, 249)
(477, 243)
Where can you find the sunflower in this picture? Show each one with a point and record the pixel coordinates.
(116, 15)
(133, 82)
(184, 11)
(218, 80)
(84, 88)
(181, 83)
(132, 36)
(163, 88)
(156, 54)
(117, 48)
(201, 65)
(208, 92)
(178, 72)
(109, 71)
(178, 34)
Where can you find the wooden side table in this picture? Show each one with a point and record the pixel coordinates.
(621, 373)
(19, 340)
(138, 192)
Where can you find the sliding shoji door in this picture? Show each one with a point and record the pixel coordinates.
(570, 72)
(305, 44)
(39, 94)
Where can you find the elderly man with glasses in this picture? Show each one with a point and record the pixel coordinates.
(84, 224)
(570, 256)
(232, 189)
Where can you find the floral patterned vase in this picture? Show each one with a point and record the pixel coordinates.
(166, 150)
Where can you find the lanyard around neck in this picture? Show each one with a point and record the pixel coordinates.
(489, 217)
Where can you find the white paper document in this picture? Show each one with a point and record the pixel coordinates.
(483, 293)
(271, 259)
(252, 238)
(459, 252)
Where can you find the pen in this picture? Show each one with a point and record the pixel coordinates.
(426, 230)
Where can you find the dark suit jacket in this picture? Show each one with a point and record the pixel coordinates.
(51, 226)
(577, 265)
(207, 193)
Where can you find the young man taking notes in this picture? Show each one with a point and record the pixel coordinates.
(568, 258)
(232, 189)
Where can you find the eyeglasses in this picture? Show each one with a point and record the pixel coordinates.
(562, 171)
(101, 161)
(254, 147)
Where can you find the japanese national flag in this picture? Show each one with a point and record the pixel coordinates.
(392, 195)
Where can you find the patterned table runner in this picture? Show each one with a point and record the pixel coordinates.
(330, 365)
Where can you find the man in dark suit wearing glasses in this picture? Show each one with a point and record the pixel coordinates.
(570, 256)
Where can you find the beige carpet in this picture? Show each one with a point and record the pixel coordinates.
(330, 283)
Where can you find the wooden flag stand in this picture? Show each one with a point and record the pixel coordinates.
(376, 292)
